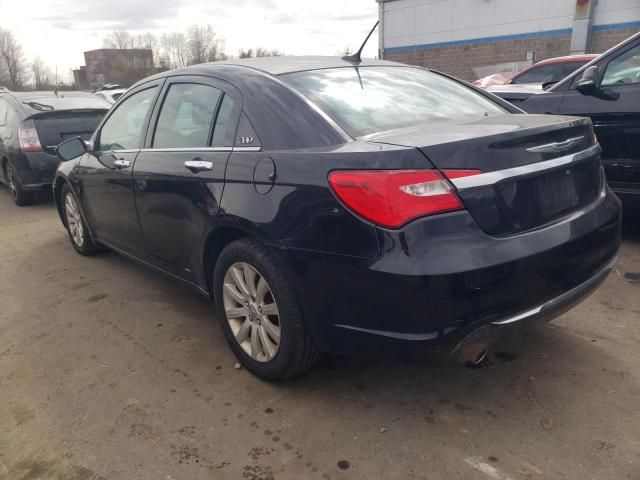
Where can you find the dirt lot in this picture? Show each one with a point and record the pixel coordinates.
(108, 371)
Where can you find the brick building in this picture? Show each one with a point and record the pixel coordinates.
(110, 65)
(473, 38)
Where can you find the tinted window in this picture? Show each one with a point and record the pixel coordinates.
(569, 67)
(624, 69)
(541, 74)
(222, 123)
(186, 116)
(124, 128)
(373, 99)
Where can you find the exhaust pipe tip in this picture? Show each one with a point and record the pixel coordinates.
(472, 350)
(478, 360)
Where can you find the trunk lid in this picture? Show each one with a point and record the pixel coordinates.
(58, 125)
(536, 176)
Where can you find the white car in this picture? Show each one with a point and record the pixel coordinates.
(111, 96)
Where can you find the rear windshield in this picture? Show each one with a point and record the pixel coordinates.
(367, 100)
(64, 102)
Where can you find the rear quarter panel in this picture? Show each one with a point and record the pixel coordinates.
(299, 210)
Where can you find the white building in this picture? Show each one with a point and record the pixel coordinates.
(458, 36)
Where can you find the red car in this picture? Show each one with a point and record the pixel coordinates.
(549, 70)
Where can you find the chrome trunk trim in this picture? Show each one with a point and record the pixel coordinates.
(491, 178)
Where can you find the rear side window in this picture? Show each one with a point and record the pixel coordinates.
(186, 116)
(123, 129)
(372, 99)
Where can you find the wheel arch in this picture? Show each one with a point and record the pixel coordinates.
(58, 183)
(217, 240)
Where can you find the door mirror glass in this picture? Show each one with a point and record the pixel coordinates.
(587, 84)
(70, 149)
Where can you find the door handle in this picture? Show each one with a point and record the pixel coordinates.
(121, 163)
(197, 165)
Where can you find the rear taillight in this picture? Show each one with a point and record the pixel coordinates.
(28, 135)
(391, 198)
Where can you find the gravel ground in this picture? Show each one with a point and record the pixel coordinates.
(109, 371)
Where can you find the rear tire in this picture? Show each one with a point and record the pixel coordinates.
(272, 343)
(19, 196)
(75, 224)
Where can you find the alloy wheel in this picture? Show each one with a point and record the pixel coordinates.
(252, 312)
(74, 221)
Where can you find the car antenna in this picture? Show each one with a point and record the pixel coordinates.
(356, 58)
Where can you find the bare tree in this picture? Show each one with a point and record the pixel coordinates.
(119, 39)
(204, 45)
(12, 60)
(174, 50)
(263, 52)
(41, 74)
(150, 42)
(345, 51)
(246, 53)
(258, 52)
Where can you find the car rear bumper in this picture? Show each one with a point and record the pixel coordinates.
(36, 169)
(441, 279)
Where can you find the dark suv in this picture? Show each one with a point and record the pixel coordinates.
(32, 124)
(608, 91)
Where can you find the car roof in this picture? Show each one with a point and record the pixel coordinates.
(288, 64)
(568, 58)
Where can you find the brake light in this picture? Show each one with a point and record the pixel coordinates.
(392, 198)
(28, 135)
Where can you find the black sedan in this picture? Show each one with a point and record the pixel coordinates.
(328, 205)
(32, 124)
(607, 90)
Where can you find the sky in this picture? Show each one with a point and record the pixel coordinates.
(59, 31)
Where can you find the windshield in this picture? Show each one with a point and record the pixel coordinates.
(366, 100)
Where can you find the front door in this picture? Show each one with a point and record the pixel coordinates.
(616, 122)
(106, 172)
(179, 175)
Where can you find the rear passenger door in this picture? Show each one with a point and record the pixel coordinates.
(179, 175)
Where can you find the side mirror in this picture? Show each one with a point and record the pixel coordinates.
(587, 85)
(72, 148)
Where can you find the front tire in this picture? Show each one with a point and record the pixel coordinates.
(19, 196)
(75, 224)
(259, 312)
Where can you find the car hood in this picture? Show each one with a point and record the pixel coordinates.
(530, 88)
(517, 92)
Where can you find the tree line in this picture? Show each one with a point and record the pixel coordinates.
(16, 73)
(197, 44)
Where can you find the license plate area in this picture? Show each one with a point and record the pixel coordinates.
(523, 203)
(532, 201)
